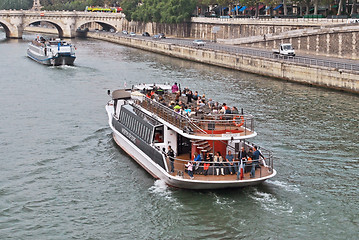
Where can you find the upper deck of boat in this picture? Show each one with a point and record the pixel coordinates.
(201, 120)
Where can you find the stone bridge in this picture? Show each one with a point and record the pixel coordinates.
(14, 22)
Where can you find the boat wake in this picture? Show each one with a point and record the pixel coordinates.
(159, 187)
(286, 186)
(64, 67)
(270, 203)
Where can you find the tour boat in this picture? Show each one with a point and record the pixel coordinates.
(144, 126)
(53, 52)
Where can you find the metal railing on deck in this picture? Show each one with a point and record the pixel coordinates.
(205, 168)
(202, 123)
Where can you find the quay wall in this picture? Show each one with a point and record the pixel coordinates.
(340, 79)
(338, 43)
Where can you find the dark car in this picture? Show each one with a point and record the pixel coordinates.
(146, 34)
(162, 35)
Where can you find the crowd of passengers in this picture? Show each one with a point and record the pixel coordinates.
(188, 103)
(229, 164)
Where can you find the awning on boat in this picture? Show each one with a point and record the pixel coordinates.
(121, 94)
(280, 5)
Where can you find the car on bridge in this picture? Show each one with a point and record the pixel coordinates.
(199, 42)
(132, 34)
(124, 32)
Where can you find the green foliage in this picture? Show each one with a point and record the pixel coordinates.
(16, 4)
(164, 11)
(129, 8)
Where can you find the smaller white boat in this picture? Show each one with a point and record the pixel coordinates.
(53, 52)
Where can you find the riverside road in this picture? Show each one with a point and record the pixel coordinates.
(310, 60)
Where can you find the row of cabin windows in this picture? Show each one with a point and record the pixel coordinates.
(136, 127)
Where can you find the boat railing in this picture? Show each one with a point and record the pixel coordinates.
(209, 168)
(201, 123)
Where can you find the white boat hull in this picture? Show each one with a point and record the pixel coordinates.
(175, 181)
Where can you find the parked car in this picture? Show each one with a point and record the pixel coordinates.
(199, 42)
(132, 34)
(146, 34)
(162, 35)
(124, 32)
(157, 36)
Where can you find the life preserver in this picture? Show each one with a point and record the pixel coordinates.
(238, 124)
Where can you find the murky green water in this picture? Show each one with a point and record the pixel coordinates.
(63, 177)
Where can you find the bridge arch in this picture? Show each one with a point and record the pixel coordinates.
(60, 29)
(6, 29)
(105, 25)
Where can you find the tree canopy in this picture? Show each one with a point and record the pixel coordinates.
(16, 4)
(163, 11)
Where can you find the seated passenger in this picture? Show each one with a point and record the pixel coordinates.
(218, 162)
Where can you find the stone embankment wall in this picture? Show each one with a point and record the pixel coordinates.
(314, 75)
(314, 37)
(334, 42)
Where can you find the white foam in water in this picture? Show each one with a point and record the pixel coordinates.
(286, 186)
(271, 203)
(160, 188)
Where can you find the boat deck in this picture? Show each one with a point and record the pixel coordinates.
(180, 169)
(201, 123)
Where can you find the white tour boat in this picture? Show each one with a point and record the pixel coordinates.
(144, 126)
(53, 52)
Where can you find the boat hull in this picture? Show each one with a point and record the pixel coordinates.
(52, 61)
(175, 181)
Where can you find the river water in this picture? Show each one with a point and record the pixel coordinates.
(63, 177)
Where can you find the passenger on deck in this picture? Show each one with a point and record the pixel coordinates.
(210, 103)
(195, 96)
(178, 95)
(175, 88)
(206, 165)
(242, 157)
(189, 96)
(201, 104)
(255, 162)
(229, 160)
(148, 94)
(171, 105)
(197, 160)
(204, 98)
(218, 162)
(189, 166)
(248, 165)
(193, 112)
(171, 158)
(177, 108)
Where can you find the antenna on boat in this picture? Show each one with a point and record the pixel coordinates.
(241, 111)
(108, 92)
